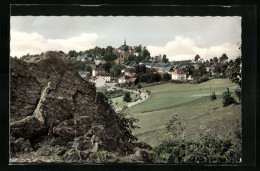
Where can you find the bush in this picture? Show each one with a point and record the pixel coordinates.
(127, 125)
(213, 96)
(238, 93)
(228, 99)
(207, 149)
(174, 127)
(127, 97)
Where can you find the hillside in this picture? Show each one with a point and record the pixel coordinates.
(191, 103)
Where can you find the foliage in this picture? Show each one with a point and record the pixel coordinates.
(166, 77)
(72, 54)
(165, 59)
(148, 77)
(234, 71)
(213, 96)
(223, 57)
(127, 97)
(127, 125)
(79, 65)
(115, 70)
(107, 66)
(202, 79)
(196, 58)
(102, 156)
(141, 54)
(206, 149)
(139, 85)
(48, 148)
(174, 127)
(238, 93)
(202, 69)
(140, 69)
(215, 60)
(228, 99)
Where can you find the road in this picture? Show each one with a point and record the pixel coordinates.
(143, 96)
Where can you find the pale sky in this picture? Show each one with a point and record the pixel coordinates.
(178, 37)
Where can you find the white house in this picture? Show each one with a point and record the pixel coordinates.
(98, 69)
(123, 79)
(100, 82)
(106, 76)
(99, 61)
(178, 74)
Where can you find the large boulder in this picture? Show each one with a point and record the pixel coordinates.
(48, 97)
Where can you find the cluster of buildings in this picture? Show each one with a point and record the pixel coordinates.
(176, 69)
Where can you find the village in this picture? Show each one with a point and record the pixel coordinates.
(165, 70)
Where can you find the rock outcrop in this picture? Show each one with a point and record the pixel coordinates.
(48, 97)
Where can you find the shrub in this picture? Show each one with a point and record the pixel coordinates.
(228, 99)
(127, 125)
(238, 93)
(139, 86)
(174, 127)
(207, 149)
(127, 97)
(213, 96)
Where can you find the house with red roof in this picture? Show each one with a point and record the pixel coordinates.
(178, 74)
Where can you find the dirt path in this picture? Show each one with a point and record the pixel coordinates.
(143, 97)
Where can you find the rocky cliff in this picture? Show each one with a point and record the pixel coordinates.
(50, 99)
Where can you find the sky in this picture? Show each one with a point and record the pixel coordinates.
(179, 38)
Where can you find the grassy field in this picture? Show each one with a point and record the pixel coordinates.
(194, 109)
(118, 101)
(170, 95)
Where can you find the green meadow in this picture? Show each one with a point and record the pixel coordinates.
(195, 110)
(119, 101)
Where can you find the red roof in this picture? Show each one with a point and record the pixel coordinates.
(132, 79)
(153, 69)
(178, 71)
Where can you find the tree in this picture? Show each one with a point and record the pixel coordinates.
(215, 60)
(138, 49)
(217, 69)
(115, 70)
(213, 96)
(165, 59)
(202, 69)
(146, 54)
(196, 57)
(174, 127)
(72, 54)
(223, 57)
(140, 69)
(81, 53)
(127, 97)
(211, 61)
(234, 71)
(107, 66)
(166, 77)
(228, 99)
